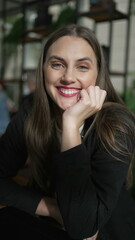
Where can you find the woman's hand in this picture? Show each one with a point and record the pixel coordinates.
(49, 207)
(90, 101)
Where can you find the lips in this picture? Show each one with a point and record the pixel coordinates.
(68, 92)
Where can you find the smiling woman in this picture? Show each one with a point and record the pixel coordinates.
(70, 66)
(79, 138)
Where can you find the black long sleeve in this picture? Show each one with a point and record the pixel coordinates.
(88, 184)
(13, 155)
(88, 179)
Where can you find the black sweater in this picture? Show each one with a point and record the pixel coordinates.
(89, 181)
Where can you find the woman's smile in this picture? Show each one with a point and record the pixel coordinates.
(68, 92)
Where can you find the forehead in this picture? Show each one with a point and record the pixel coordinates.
(71, 46)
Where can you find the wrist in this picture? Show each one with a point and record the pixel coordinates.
(45, 207)
(70, 138)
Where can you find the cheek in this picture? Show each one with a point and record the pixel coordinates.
(51, 77)
(89, 80)
(48, 76)
(50, 80)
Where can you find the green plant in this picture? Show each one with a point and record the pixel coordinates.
(67, 16)
(16, 31)
(13, 38)
(130, 96)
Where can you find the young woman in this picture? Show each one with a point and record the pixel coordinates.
(78, 138)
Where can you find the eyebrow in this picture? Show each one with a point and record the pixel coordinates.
(78, 60)
(55, 57)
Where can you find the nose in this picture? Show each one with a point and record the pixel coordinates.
(68, 76)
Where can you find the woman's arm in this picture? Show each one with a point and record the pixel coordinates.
(90, 102)
(88, 183)
(88, 179)
(49, 207)
(13, 156)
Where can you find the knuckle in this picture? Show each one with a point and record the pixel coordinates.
(104, 92)
(97, 87)
(96, 107)
(88, 103)
(93, 106)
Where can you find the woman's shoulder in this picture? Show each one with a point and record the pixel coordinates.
(117, 113)
(26, 104)
(115, 125)
(28, 100)
(113, 119)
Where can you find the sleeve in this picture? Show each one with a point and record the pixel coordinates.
(13, 155)
(88, 186)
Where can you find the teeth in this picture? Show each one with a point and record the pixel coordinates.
(68, 91)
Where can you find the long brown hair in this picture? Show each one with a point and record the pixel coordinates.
(41, 137)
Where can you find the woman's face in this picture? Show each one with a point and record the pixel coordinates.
(70, 66)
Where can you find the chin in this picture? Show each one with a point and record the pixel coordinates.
(66, 106)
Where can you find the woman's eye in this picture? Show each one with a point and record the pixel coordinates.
(57, 65)
(83, 68)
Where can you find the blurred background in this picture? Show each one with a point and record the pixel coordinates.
(26, 24)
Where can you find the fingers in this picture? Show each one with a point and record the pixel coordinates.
(89, 102)
(97, 96)
(94, 97)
